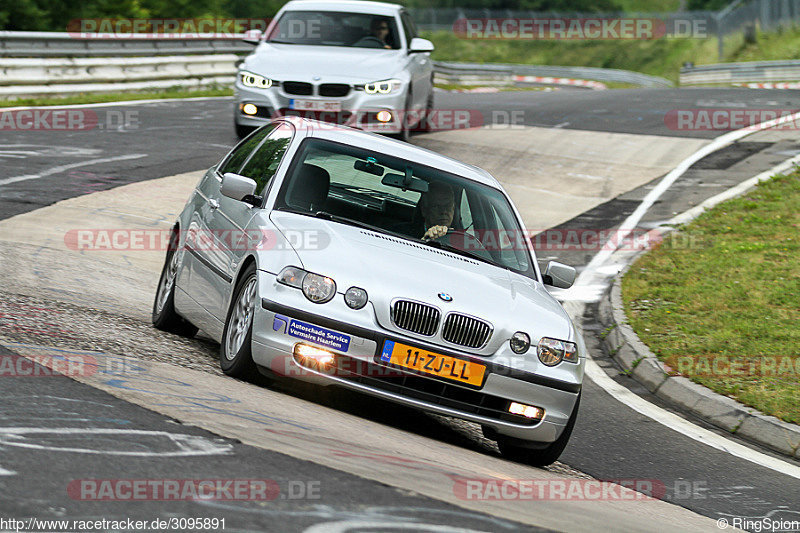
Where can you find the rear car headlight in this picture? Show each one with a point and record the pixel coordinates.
(355, 298)
(318, 289)
(383, 86)
(520, 342)
(250, 79)
(552, 351)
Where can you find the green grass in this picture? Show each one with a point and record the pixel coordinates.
(87, 98)
(657, 57)
(734, 294)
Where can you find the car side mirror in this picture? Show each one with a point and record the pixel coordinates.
(419, 44)
(559, 275)
(252, 36)
(238, 187)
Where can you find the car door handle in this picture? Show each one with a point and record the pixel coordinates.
(214, 204)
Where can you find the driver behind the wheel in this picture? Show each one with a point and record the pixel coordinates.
(438, 207)
(378, 35)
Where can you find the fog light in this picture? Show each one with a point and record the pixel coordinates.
(384, 116)
(249, 109)
(528, 411)
(307, 353)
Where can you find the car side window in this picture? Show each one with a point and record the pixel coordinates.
(465, 212)
(408, 27)
(239, 154)
(265, 160)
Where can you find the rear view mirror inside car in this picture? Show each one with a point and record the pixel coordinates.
(369, 166)
(405, 182)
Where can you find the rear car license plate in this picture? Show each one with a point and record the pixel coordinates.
(432, 363)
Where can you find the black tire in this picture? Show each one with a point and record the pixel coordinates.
(425, 125)
(540, 456)
(235, 351)
(164, 316)
(243, 131)
(405, 132)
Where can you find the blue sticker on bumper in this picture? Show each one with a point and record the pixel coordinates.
(386, 354)
(317, 335)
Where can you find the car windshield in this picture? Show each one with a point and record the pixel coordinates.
(334, 28)
(391, 195)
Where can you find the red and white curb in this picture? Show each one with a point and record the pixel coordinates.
(782, 85)
(589, 84)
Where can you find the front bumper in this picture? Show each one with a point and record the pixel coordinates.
(358, 109)
(358, 367)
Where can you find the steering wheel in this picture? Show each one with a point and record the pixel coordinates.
(371, 39)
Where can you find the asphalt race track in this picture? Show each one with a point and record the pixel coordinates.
(110, 438)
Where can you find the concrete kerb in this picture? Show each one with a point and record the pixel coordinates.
(620, 342)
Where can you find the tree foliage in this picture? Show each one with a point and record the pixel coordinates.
(49, 15)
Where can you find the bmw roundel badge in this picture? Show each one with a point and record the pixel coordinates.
(445, 297)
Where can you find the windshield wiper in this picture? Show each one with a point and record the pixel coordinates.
(450, 248)
(344, 220)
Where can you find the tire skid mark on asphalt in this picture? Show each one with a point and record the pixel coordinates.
(62, 168)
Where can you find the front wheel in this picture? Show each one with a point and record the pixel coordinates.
(546, 455)
(405, 121)
(235, 355)
(164, 315)
(243, 131)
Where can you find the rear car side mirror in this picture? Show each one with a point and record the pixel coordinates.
(559, 275)
(252, 36)
(419, 44)
(238, 187)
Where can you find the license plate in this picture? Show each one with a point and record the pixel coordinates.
(432, 363)
(315, 105)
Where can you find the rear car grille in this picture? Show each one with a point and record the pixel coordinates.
(334, 89)
(466, 330)
(415, 317)
(298, 87)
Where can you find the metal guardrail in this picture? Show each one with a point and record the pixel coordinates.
(55, 44)
(36, 64)
(457, 71)
(756, 71)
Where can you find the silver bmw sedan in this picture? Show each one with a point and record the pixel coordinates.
(340, 257)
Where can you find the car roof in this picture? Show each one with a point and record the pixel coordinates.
(394, 147)
(356, 6)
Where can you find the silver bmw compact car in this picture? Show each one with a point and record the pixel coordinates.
(342, 257)
(349, 62)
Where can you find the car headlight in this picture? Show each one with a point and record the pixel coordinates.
(383, 87)
(553, 351)
(520, 342)
(317, 288)
(254, 80)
